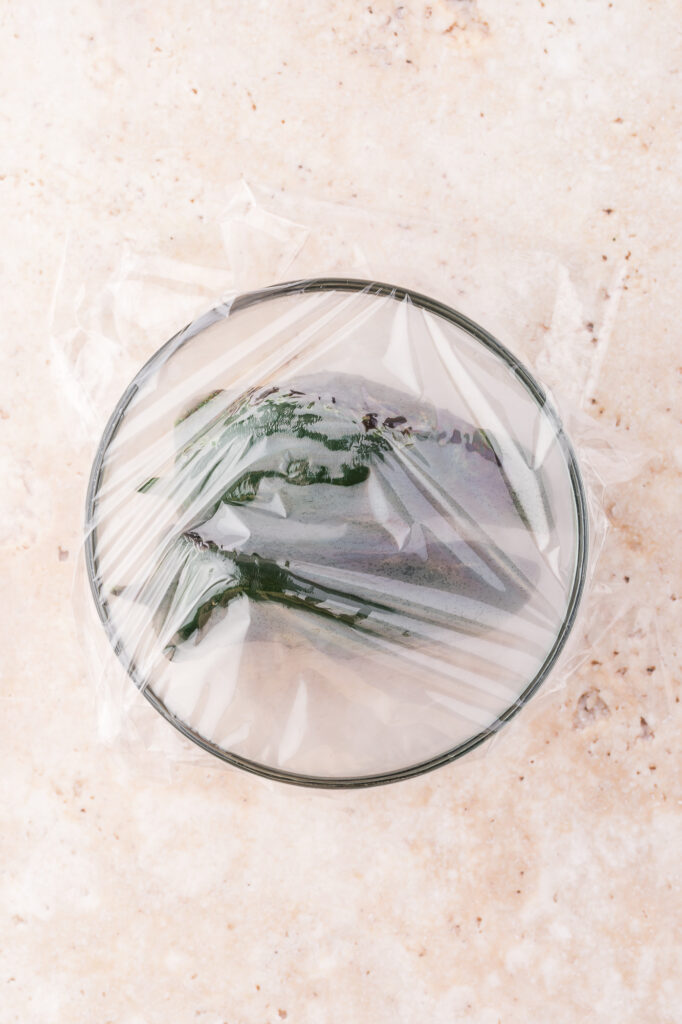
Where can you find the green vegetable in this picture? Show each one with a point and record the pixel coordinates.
(309, 495)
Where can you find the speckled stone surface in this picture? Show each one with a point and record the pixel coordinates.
(540, 881)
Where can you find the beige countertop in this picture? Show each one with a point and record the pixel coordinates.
(538, 881)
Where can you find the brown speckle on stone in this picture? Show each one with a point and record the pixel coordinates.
(646, 732)
(590, 706)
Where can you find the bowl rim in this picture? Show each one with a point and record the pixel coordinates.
(437, 308)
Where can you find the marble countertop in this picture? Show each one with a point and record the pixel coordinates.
(539, 880)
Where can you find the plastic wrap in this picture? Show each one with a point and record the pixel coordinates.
(336, 533)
